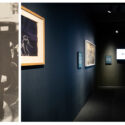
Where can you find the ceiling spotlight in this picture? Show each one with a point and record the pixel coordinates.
(116, 31)
(109, 11)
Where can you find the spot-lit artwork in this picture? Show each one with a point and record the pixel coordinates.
(8, 62)
(28, 37)
(89, 53)
(32, 38)
(108, 60)
(120, 54)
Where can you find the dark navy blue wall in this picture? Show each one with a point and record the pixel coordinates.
(58, 90)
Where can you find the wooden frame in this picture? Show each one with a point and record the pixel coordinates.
(90, 50)
(31, 55)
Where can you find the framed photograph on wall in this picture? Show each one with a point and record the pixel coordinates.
(108, 60)
(32, 38)
(79, 60)
(89, 53)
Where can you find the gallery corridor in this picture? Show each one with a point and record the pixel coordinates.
(106, 104)
(83, 75)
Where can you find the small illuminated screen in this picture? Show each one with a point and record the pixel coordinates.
(120, 54)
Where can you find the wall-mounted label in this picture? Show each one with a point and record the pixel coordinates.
(79, 58)
(120, 54)
(4, 28)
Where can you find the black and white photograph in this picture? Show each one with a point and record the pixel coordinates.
(9, 62)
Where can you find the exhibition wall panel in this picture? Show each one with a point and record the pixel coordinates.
(58, 90)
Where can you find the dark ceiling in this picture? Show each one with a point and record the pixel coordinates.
(99, 12)
(104, 21)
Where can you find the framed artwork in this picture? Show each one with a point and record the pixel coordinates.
(79, 60)
(89, 53)
(32, 38)
(108, 60)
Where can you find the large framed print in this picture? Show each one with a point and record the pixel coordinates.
(32, 38)
(120, 54)
(89, 53)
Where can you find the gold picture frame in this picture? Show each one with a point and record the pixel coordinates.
(32, 38)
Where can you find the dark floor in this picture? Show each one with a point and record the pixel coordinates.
(105, 104)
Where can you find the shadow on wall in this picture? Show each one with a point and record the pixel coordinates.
(31, 67)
